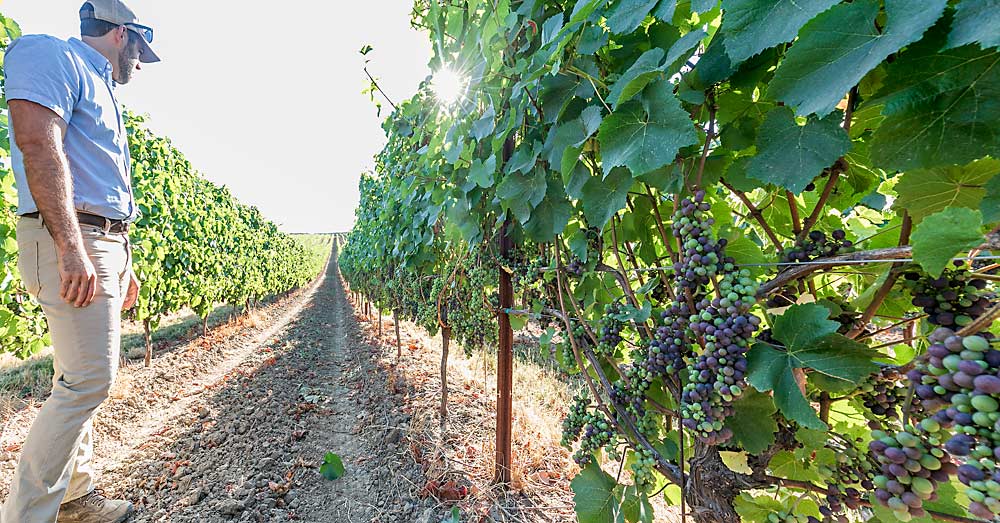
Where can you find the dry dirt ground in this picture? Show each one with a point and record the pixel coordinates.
(233, 426)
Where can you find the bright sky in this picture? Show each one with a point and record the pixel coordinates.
(265, 97)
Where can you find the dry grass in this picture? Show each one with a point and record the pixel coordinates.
(465, 451)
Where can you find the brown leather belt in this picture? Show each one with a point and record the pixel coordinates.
(107, 225)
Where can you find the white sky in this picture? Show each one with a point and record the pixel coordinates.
(265, 97)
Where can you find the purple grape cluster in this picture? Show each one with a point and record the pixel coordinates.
(883, 392)
(723, 324)
(912, 464)
(956, 298)
(817, 245)
(961, 379)
(671, 343)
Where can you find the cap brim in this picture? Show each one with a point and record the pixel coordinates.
(146, 54)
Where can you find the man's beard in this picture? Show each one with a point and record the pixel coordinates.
(124, 70)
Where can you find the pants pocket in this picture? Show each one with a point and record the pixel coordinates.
(27, 265)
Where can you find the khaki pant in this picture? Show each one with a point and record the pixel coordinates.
(56, 459)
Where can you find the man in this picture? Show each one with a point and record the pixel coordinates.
(70, 156)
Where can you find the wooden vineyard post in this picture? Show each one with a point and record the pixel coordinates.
(399, 343)
(204, 326)
(379, 320)
(445, 342)
(505, 351)
(149, 342)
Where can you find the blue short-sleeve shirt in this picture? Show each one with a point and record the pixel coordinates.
(74, 80)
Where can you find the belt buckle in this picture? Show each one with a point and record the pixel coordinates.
(107, 225)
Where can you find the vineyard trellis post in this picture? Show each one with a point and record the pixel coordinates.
(505, 350)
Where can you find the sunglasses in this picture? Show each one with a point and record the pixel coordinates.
(145, 32)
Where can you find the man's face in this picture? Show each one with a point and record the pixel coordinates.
(128, 58)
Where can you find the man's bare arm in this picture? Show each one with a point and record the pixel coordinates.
(39, 134)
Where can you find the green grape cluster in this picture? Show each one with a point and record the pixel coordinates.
(644, 469)
(610, 330)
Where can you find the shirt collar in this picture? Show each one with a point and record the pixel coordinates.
(96, 59)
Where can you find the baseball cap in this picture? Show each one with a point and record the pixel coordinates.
(116, 12)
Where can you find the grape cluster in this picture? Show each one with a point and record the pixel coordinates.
(643, 469)
(912, 464)
(723, 324)
(817, 245)
(575, 267)
(961, 378)
(590, 428)
(883, 392)
(610, 330)
(670, 344)
(956, 298)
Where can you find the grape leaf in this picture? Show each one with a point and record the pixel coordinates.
(522, 192)
(975, 21)
(646, 136)
(753, 422)
(665, 10)
(838, 47)
(923, 192)
(594, 496)
(524, 158)
(755, 509)
(700, 6)
(942, 235)
(636, 507)
(754, 25)
(811, 341)
(790, 155)
(770, 370)
(939, 108)
(624, 16)
(990, 206)
(801, 325)
(481, 172)
(570, 135)
(551, 215)
(787, 465)
(603, 198)
(643, 71)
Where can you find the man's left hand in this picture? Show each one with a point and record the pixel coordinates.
(133, 291)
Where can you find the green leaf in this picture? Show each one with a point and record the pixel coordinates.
(522, 192)
(636, 507)
(756, 509)
(594, 496)
(838, 47)
(975, 21)
(518, 321)
(943, 235)
(790, 155)
(572, 134)
(923, 192)
(481, 173)
(643, 71)
(801, 325)
(624, 16)
(754, 25)
(524, 158)
(332, 467)
(646, 136)
(990, 206)
(811, 341)
(938, 107)
(603, 198)
(551, 215)
(787, 465)
(484, 126)
(753, 423)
